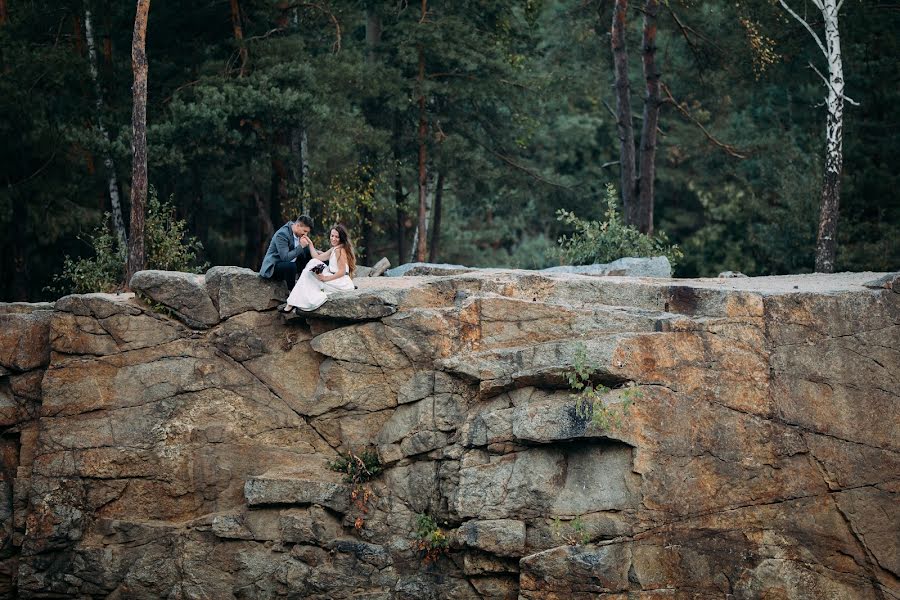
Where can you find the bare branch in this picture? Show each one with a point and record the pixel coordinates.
(685, 29)
(728, 148)
(838, 9)
(265, 35)
(828, 85)
(611, 163)
(805, 24)
(524, 169)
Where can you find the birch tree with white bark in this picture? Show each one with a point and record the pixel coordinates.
(826, 242)
(108, 163)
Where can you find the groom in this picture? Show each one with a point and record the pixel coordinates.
(288, 251)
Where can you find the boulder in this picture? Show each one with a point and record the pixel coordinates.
(657, 266)
(891, 281)
(24, 337)
(183, 293)
(234, 290)
(420, 268)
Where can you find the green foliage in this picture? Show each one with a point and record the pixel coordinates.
(103, 272)
(431, 540)
(358, 468)
(573, 532)
(606, 241)
(168, 247)
(517, 109)
(592, 399)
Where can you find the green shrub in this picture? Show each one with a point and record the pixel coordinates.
(167, 243)
(589, 396)
(431, 540)
(605, 241)
(357, 468)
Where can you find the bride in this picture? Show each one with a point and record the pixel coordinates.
(315, 284)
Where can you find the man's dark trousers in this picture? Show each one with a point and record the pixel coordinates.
(285, 271)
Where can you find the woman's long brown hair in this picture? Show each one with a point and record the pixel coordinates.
(344, 239)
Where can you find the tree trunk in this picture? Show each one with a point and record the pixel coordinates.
(436, 222)
(644, 208)
(373, 33)
(399, 195)
(136, 257)
(414, 253)
(4, 14)
(112, 182)
(299, 170)
(826, 243)
(107, 43)
(239, 35)
(624, 127)
(423, 171)
(372, 109)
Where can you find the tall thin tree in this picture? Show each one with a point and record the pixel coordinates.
(436, 218)
(111, 177)
(826, 241)
(136, 256)
(238, 29)
(421, 233)
(637, 173)
(644, 220)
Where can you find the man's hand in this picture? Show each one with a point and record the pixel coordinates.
(304, 241)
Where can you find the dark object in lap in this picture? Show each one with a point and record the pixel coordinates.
(318, 268)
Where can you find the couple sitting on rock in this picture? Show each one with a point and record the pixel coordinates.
(291, 251)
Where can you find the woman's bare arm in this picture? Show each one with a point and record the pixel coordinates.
(342, 267)
(323, 256)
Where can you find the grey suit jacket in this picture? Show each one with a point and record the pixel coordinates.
(282, 248)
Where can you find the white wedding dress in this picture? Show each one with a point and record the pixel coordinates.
(309, 293)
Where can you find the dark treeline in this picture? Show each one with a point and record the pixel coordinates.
(476, 119)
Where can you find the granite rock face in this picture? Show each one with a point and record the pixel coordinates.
(744, 443)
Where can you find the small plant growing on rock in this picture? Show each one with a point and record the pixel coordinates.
(571, 532)
(359, 470)
(588, 396)
(431, 540)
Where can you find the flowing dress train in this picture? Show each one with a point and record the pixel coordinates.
(309, 293)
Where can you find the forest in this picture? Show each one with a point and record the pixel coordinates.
(464, 131)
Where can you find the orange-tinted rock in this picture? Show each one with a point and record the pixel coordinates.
(748, 447)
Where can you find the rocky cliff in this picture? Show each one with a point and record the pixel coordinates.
(177, 444)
